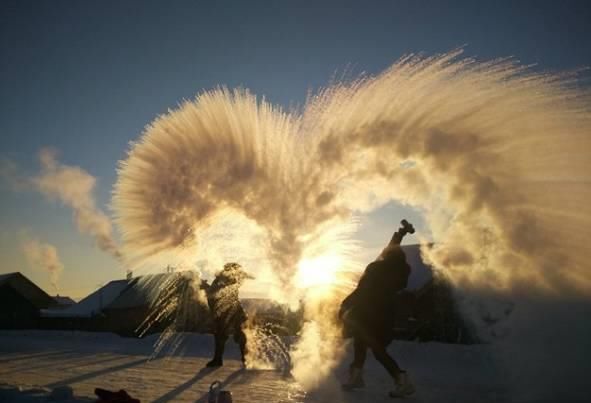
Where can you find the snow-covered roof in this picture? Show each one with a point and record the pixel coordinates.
(61, 300)
(142, 290)
(92, 304)
(420, 272)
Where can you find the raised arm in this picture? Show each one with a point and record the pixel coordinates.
(405, 228)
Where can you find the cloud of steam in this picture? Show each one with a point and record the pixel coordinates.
(238, 156)
(319, 346)
(497, 158)
(494, 151)
(44, 256)
(74, 187)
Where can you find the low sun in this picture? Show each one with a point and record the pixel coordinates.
(318, 271)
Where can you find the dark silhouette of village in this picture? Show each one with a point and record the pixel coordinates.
(133, 307)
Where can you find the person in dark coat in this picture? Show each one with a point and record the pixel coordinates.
(226, 311)
(367, 313)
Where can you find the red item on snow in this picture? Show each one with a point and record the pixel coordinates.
(106, 396)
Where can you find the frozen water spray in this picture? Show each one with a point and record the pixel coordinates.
(494, 155)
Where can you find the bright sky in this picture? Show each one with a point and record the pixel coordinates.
(86, 77)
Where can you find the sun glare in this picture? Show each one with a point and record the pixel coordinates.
(318, 271)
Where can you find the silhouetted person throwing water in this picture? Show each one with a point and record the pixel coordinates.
(367, 313)
(227, 312)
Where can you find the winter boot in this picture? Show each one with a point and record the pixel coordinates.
(403, 386)
(220, 343)
(355, 380)
(216, 362)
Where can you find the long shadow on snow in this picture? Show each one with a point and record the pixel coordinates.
(34, 356)
(56, 361)
(99, 372)
(184, 386)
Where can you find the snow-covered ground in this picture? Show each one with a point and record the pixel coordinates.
(39, 366)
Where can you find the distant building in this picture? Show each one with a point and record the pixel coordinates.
(427, 310)
(267, 313)
(153, 302)
(21, 302)
(421, 273)
(93, 304)
(63, 302)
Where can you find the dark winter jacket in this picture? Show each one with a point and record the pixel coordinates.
(370, 306)
(224, 304)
